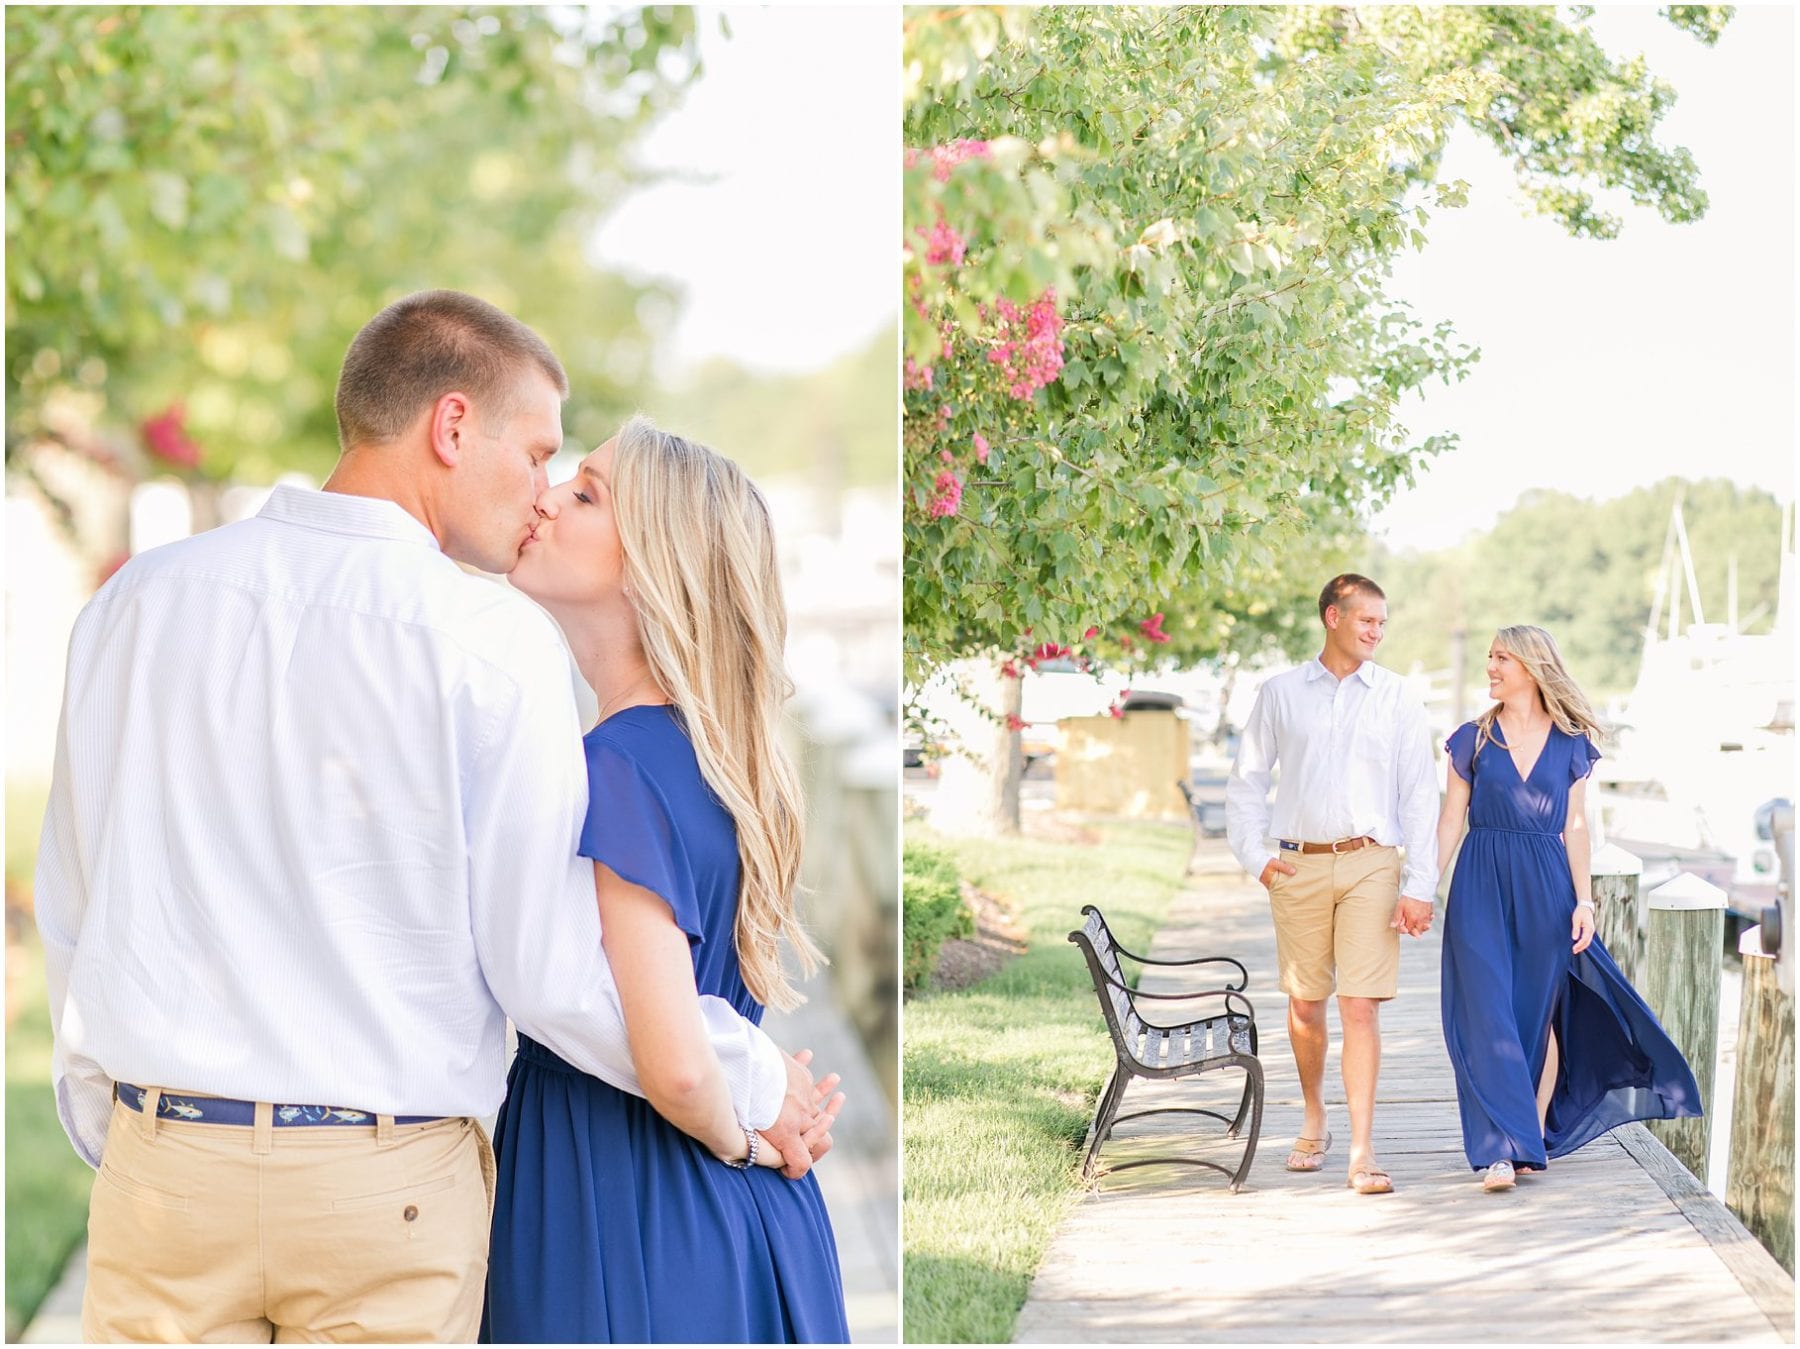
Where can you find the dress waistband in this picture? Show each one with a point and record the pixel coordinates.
(1500, 829)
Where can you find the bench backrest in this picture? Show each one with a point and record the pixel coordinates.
(1096, 942)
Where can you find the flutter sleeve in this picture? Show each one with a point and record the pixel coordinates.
(1583, 758)
(629, 827)
(1461, 749)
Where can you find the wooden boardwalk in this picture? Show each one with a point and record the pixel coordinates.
(1615, 1243)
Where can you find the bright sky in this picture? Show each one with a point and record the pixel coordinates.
(787, 249)
(1611, 364)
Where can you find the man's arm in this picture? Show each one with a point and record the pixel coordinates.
(83, 1091)
(1247, 790)
(536, 927)
(1418, 802)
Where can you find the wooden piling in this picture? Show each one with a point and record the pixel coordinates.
(1683, 955)
(1759, 1174)
(1619, 911)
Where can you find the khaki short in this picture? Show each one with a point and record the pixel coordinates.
(216, 1232)
(1333, 915)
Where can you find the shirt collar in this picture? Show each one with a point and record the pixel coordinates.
(341, 513)
(1315, 669)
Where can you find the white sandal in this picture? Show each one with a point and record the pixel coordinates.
(1499, 1176)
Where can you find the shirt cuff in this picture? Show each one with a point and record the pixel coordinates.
(84, 1113)
(1261, 860)
(1419, 885)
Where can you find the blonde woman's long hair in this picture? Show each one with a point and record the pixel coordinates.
(1561, 697)
(700, 568)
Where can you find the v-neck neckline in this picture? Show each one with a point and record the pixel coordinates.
(1525, 777)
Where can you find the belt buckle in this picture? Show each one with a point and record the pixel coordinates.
(1337, 846)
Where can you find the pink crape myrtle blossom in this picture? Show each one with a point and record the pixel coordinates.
(1152, 629)
(946, 157)
(981, 448)
(948, 498)
(916, 376)
(165, 436)
(943, 245)
(1030, 349)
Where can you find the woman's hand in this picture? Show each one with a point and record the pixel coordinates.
(1582, 927)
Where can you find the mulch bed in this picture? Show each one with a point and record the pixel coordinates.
(998, 937)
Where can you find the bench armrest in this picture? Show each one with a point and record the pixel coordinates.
(1243, 974)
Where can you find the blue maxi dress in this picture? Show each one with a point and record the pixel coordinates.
(610, 1224)
(1509, 976)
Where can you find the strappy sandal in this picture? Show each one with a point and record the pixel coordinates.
(1499, 1176)
(1314, 1149)
(1370, 1180)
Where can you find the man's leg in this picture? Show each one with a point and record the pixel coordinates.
(1302, 908)
(1307, 1033)
(1368, 958)
(1362, 1066)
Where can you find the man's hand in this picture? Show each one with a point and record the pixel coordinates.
(1275, 865)
(802, 1132)
(1412, 916)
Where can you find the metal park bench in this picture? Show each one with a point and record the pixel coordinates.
(1154, 1050)
(1207, 817)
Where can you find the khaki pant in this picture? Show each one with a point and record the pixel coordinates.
(224, 1233)
(1334, 915)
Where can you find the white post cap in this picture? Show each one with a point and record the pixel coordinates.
(1687, 891)
(1612, 860)
(1750, 944)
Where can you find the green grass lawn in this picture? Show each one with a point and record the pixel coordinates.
(46, 1183)
(1001, 1078)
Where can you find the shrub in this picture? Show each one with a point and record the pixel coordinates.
(932, 908)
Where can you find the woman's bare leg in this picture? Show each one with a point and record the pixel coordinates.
(1547, 1083)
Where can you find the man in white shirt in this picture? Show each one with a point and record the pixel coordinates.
(311, 839)
(1356, 782)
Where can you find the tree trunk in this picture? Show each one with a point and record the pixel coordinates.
(978, 779)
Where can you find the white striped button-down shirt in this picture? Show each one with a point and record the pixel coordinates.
(1355, 760)
(312, 829)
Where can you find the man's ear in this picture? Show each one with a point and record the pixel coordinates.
(452, 418)
(1331, 617)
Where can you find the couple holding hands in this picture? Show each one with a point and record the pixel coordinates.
(324, 817)
(1550, 1045)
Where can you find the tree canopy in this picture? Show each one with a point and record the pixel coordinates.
(204, 205)
(1151, 357)
(1585, 570)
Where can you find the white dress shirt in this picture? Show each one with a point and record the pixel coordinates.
(312, 829)
(1355, 760)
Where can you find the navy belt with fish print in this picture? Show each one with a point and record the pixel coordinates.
(217, 1110)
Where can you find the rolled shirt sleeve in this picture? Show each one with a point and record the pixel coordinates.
(536, 922)
(1247, 810)
(1416, 784)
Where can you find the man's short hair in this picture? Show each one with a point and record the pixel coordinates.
(1339, 589)
(427, 345)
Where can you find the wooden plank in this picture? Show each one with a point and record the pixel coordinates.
(1166, 1254)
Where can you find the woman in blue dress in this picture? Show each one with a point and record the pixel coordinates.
(1550, 1044)
(612, 1224)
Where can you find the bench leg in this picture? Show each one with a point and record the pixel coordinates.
(1243, 1109)
(1104, 1112)
(1253, 1091)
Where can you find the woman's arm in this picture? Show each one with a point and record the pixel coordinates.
(1450, 817)
(1579, 845)
(653, 966)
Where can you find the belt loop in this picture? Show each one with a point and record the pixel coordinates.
(151, 1102)
(384, 1131)
(262, 1132)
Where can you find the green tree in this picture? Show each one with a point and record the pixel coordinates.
(203, 205)
(1149, 345)
(1585, 570)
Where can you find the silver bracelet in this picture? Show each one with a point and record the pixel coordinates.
(750, 1157)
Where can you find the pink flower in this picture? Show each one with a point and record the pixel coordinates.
(1049, 651)
(946, 456)
(166, 437)
(1014, 722)
(948, 500)
(946, 157)
(1117, 710)
(943, 244)
(1151, 627)
(1029, 348)
(1009, 670)
(1090, 634)
(981, 448)
(916, 376)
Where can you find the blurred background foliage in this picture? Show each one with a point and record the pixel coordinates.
(204, 205)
